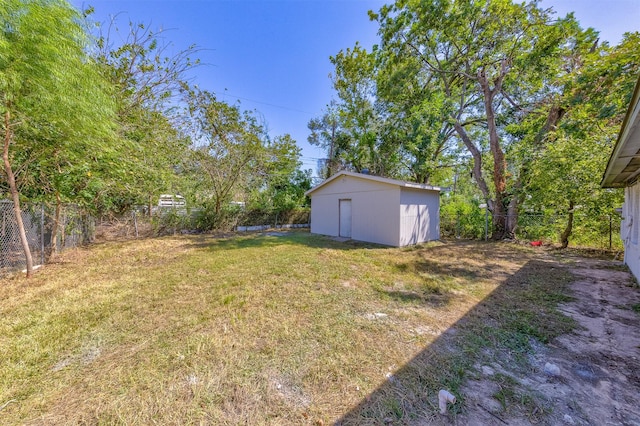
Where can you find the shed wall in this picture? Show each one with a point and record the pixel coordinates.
(374, 207)
(630, 228)
(419, 216)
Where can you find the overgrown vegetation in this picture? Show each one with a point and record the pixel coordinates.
(136, 127)
(465, 219)
(503, 103)
(262, 329)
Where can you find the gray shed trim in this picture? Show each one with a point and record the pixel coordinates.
(399, 183)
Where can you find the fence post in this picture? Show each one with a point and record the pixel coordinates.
(610, 232)
(135, 222)
(42, 234)
(486, 223)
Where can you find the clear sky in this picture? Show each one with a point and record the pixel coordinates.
(273, 55)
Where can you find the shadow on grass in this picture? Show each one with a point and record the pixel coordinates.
(276, 238)
(429, 298)
(426, 266)
(470, 250)
(500, 329)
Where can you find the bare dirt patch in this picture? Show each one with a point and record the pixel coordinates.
(590, 376)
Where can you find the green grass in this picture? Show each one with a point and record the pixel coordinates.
(294, 329)
(512, 396)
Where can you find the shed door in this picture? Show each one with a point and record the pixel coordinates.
(345, 218)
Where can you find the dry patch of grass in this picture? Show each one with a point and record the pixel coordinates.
(294, 329)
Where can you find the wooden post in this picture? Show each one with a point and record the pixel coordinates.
(135, 222)
(42, 234)
(610, 232)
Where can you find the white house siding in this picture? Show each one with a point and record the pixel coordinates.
(630, 228)
(374, 208)
(419, 216)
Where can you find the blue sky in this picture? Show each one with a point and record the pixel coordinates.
(273, 55)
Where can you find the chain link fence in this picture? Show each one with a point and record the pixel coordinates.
(598, 232)
(73, 229)
(591, 231)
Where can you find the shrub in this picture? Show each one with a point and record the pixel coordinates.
(226, 219)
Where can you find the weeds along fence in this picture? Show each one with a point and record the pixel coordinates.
(598, 232)
(295, 218)
(174, 220)
(73, 229)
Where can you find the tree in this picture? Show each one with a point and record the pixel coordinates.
(327, 133)
(389, 122)
(486, 59)
(283, 183)
(416, 120)
(228, 145)
(361, 116)
(49, 90)
(150, 81)
(567, 168)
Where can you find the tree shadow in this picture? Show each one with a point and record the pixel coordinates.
(426, 266)
(500, 329)
(488, 255)
(432, 299)
(237, 241)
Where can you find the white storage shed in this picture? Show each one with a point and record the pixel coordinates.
(375, 209)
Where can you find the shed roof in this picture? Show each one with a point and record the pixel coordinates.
(624, 165)
(388, 181)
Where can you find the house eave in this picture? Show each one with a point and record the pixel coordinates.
(623, 167)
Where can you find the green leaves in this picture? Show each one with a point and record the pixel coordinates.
(53, 101)
(52, 90)
(235, 160)
(570, 163)
(526, 94)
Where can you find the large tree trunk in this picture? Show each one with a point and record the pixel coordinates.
(477, 163)
(15, 196)
(512, 213)
(564, 237)
(502, 226)
(499, 214)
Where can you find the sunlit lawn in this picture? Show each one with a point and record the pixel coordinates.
(259, 329)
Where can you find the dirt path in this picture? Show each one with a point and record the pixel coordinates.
(600, 364)
(589, 377)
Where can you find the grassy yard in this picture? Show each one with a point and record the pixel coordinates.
(260, 329)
